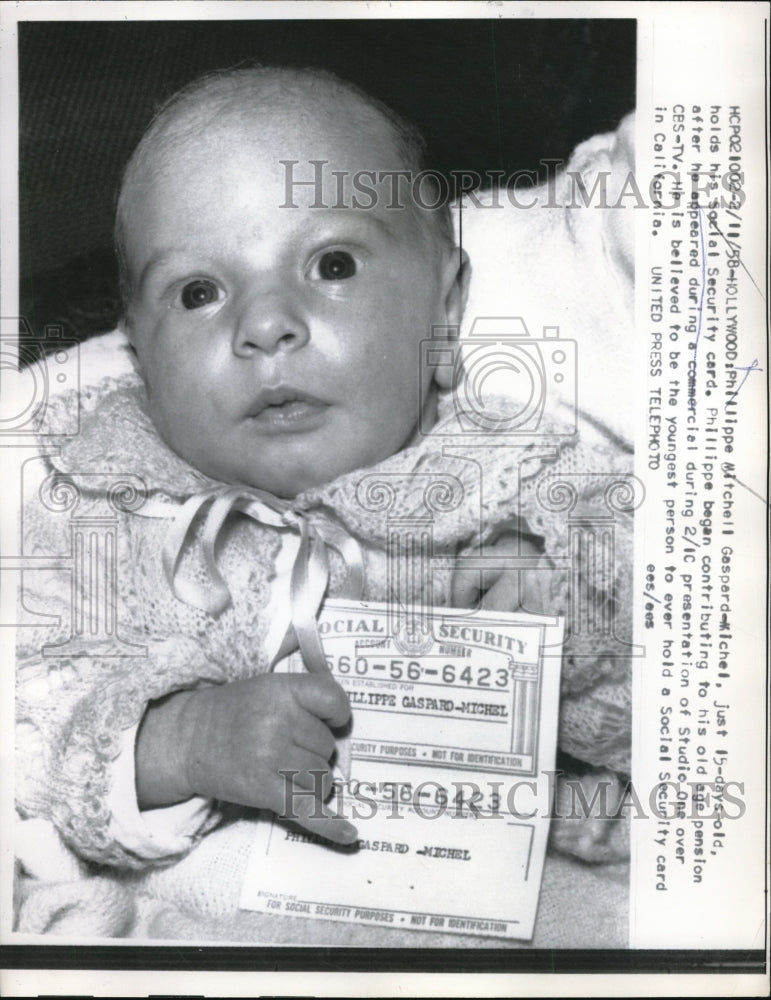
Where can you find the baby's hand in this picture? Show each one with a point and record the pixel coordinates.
(501, 588)
(232, 741)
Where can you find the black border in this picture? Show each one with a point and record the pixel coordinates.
(233, 958)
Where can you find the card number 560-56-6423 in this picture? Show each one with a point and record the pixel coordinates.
(393, 669)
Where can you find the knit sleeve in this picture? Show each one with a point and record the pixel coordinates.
(85, 674)
(70, 721)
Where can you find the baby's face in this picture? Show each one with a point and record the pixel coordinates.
(280, 346)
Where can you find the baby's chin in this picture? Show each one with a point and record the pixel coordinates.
(306, 470)
(285, 488)
(288, 483)
(285, 483)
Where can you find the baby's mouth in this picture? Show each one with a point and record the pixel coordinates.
(283, 408)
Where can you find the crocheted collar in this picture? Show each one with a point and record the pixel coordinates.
(117, 437)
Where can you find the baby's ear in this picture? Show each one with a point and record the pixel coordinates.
(455, 284)
(124, 326)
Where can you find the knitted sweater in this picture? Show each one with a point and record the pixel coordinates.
(78, 691)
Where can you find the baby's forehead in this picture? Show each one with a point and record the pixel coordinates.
(305, 115)
(297, 147)
(291, 137)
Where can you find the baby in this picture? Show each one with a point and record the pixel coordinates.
(279, 344)
(277, 326)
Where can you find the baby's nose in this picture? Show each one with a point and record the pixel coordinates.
(269, 322)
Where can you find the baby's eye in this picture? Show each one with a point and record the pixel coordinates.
(336, 265)
(199, 293)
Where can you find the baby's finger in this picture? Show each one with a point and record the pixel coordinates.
(314, 817)
(535, 593)
(323, 697)
(504, 595)
(519, 590)
(309, 771)
(465, 588)
(312, 734)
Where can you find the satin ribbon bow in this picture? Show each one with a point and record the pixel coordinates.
(310, 572)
